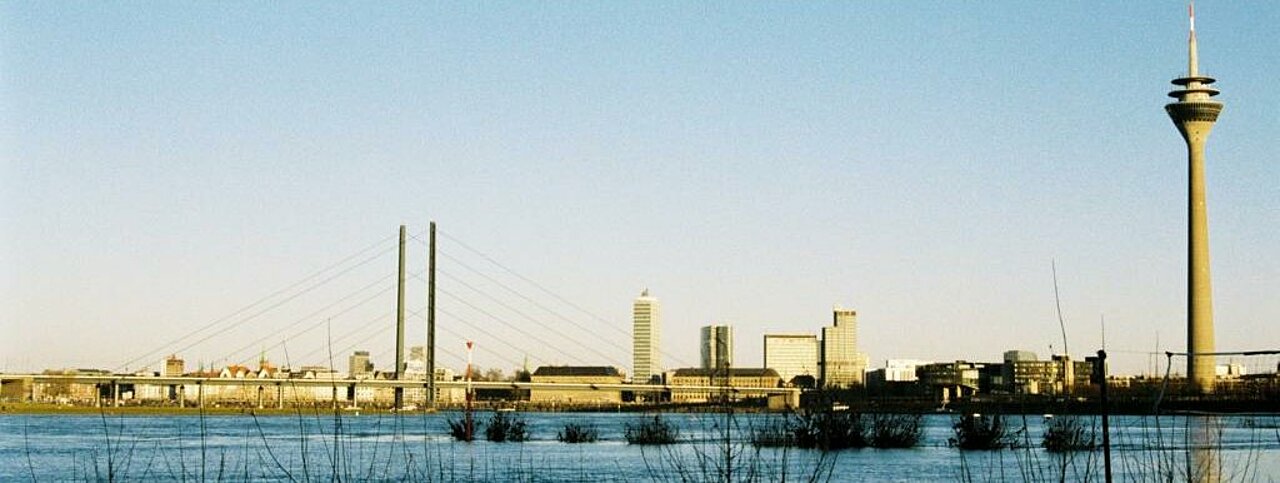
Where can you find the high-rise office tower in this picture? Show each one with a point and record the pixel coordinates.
(791, 355)
(1194, 113)
(646, 336)
(717, 347)
(841, 363)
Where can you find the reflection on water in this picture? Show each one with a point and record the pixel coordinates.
(1204, 464)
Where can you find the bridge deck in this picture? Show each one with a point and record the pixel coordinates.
(384, 383)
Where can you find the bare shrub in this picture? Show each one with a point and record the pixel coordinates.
(896, 430)
(656, 431)
(979, 432)
(578, 433)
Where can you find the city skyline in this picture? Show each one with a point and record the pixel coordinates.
(166, 166)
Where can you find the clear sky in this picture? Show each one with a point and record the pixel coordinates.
(166, 164)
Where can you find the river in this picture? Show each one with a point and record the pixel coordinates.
(313, 446)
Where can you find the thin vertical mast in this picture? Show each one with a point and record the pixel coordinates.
(399, 391)
(431, 317)
(1193, 57)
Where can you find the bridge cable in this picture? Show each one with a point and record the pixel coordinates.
(367, 299)
(515, 328)
(532, 319)
(316, 274)
(532, 301)
(540, 287)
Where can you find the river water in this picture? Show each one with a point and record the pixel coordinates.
(381, 447)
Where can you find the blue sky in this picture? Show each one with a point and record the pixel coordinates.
(165, 164)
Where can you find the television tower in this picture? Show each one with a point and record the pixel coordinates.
(1194, 114)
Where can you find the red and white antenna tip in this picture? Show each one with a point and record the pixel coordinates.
(1191, 12)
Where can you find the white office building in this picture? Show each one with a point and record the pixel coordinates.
(646, 336)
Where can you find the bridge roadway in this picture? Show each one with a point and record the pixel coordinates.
(788, 396)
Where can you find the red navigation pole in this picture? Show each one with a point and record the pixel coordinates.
(470, 395)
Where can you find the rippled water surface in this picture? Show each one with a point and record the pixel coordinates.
(365, 447)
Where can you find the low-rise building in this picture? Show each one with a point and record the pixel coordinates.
(449, 395)
(576, 375)
(705, 378)
(65, 392)
(15, 389)
(1024, 374)
(901, 370)
(949, 380)
(1233, 370)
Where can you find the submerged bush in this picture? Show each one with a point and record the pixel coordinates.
(1068, 433)
(458, 429)
(578, 433)
(504, 427)
(776, 433)
(830, 430)
(834, 430)
(896, 430)
(979, 432)
(656, 431)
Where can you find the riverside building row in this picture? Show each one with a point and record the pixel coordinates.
(793, 359)
(1020, 372)
(276, 386)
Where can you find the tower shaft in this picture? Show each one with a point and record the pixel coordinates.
(1200, 340)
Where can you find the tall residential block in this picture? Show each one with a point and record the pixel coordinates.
(791, 355)
(1194, 114)
(646, 336)
(717, 347)
(359, 366)
(173, 367)
(841, 363)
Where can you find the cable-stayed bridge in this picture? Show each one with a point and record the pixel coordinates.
(352, 304)
(370, 300)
